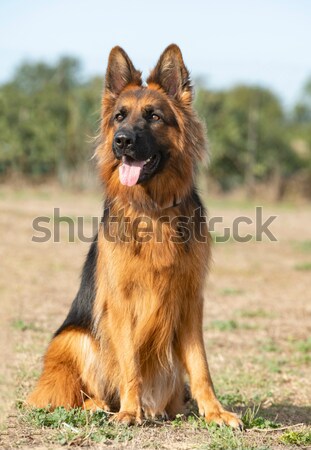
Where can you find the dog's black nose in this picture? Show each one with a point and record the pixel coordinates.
(124, 141)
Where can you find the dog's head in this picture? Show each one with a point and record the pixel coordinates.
(151, 137)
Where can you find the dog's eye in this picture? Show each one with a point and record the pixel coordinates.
(119, 117)
(154, 117)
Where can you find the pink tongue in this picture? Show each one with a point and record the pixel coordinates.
(129, 172)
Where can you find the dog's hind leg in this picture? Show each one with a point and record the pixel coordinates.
(70, 373)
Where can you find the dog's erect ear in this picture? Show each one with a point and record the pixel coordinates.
(120, 72)
(172, 75)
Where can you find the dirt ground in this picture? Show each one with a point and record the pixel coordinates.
(257, 316)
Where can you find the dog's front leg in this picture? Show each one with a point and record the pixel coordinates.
(194, 359)
(130, 377)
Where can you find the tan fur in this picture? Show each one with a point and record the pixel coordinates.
(71, 367)
(147, 315)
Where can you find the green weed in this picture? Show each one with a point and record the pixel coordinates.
(275, 366)
(231, 291)
(302, 437)
(232, 399)
(76, 426)
(251, 419)
(270, 346)
(197, 422)
(224, 325)
(303, 266)
(304, 346)
(178, 421)
(229, 325)
(20, 325)
(257, 313)
(304, 246)
(224, 438)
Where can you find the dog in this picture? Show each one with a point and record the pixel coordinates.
(134, 329)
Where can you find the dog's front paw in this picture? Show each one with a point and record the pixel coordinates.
(151, 414)
(222, 417)
(95, 405)
(127, 418)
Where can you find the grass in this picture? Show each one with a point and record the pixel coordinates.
(81, 428)
(229, 325)
(251, 419)
(254, 314)
(232, 399)
(20, 325)
(303, 266)
(76, 426)
(231, 291)
(274, 364)
(304, 348)
(246, 290)
(304, 246)
(300, 438)
(270, 346)
(77, 417)
(224, 438)
(224, 325)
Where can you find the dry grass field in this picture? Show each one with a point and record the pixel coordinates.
(257, 329)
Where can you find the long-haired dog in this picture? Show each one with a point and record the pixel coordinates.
(134, 329)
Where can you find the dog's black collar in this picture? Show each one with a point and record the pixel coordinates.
(176, 202)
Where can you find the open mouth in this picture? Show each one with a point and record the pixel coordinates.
(132, 171)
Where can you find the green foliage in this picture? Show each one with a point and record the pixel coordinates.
(248, 136)
(77, 426)
(20, 325)
(304, 346)
(76, 417)
(302, 437)
(257, 313)
(231, 399)
(219, 438)
(224, 438)
(229, 325)
(304, 246)
(303, 266)
(270, 346)
(251, 419)
(178, 421)
(46, 116)
(231, 291)
(225, 325)
(49, 115)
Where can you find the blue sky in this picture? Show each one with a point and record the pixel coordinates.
(266, 42)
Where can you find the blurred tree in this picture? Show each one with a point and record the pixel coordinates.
(300, 129)
(46, 114)
(301, 117)
(248, 138)
(49, 115)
